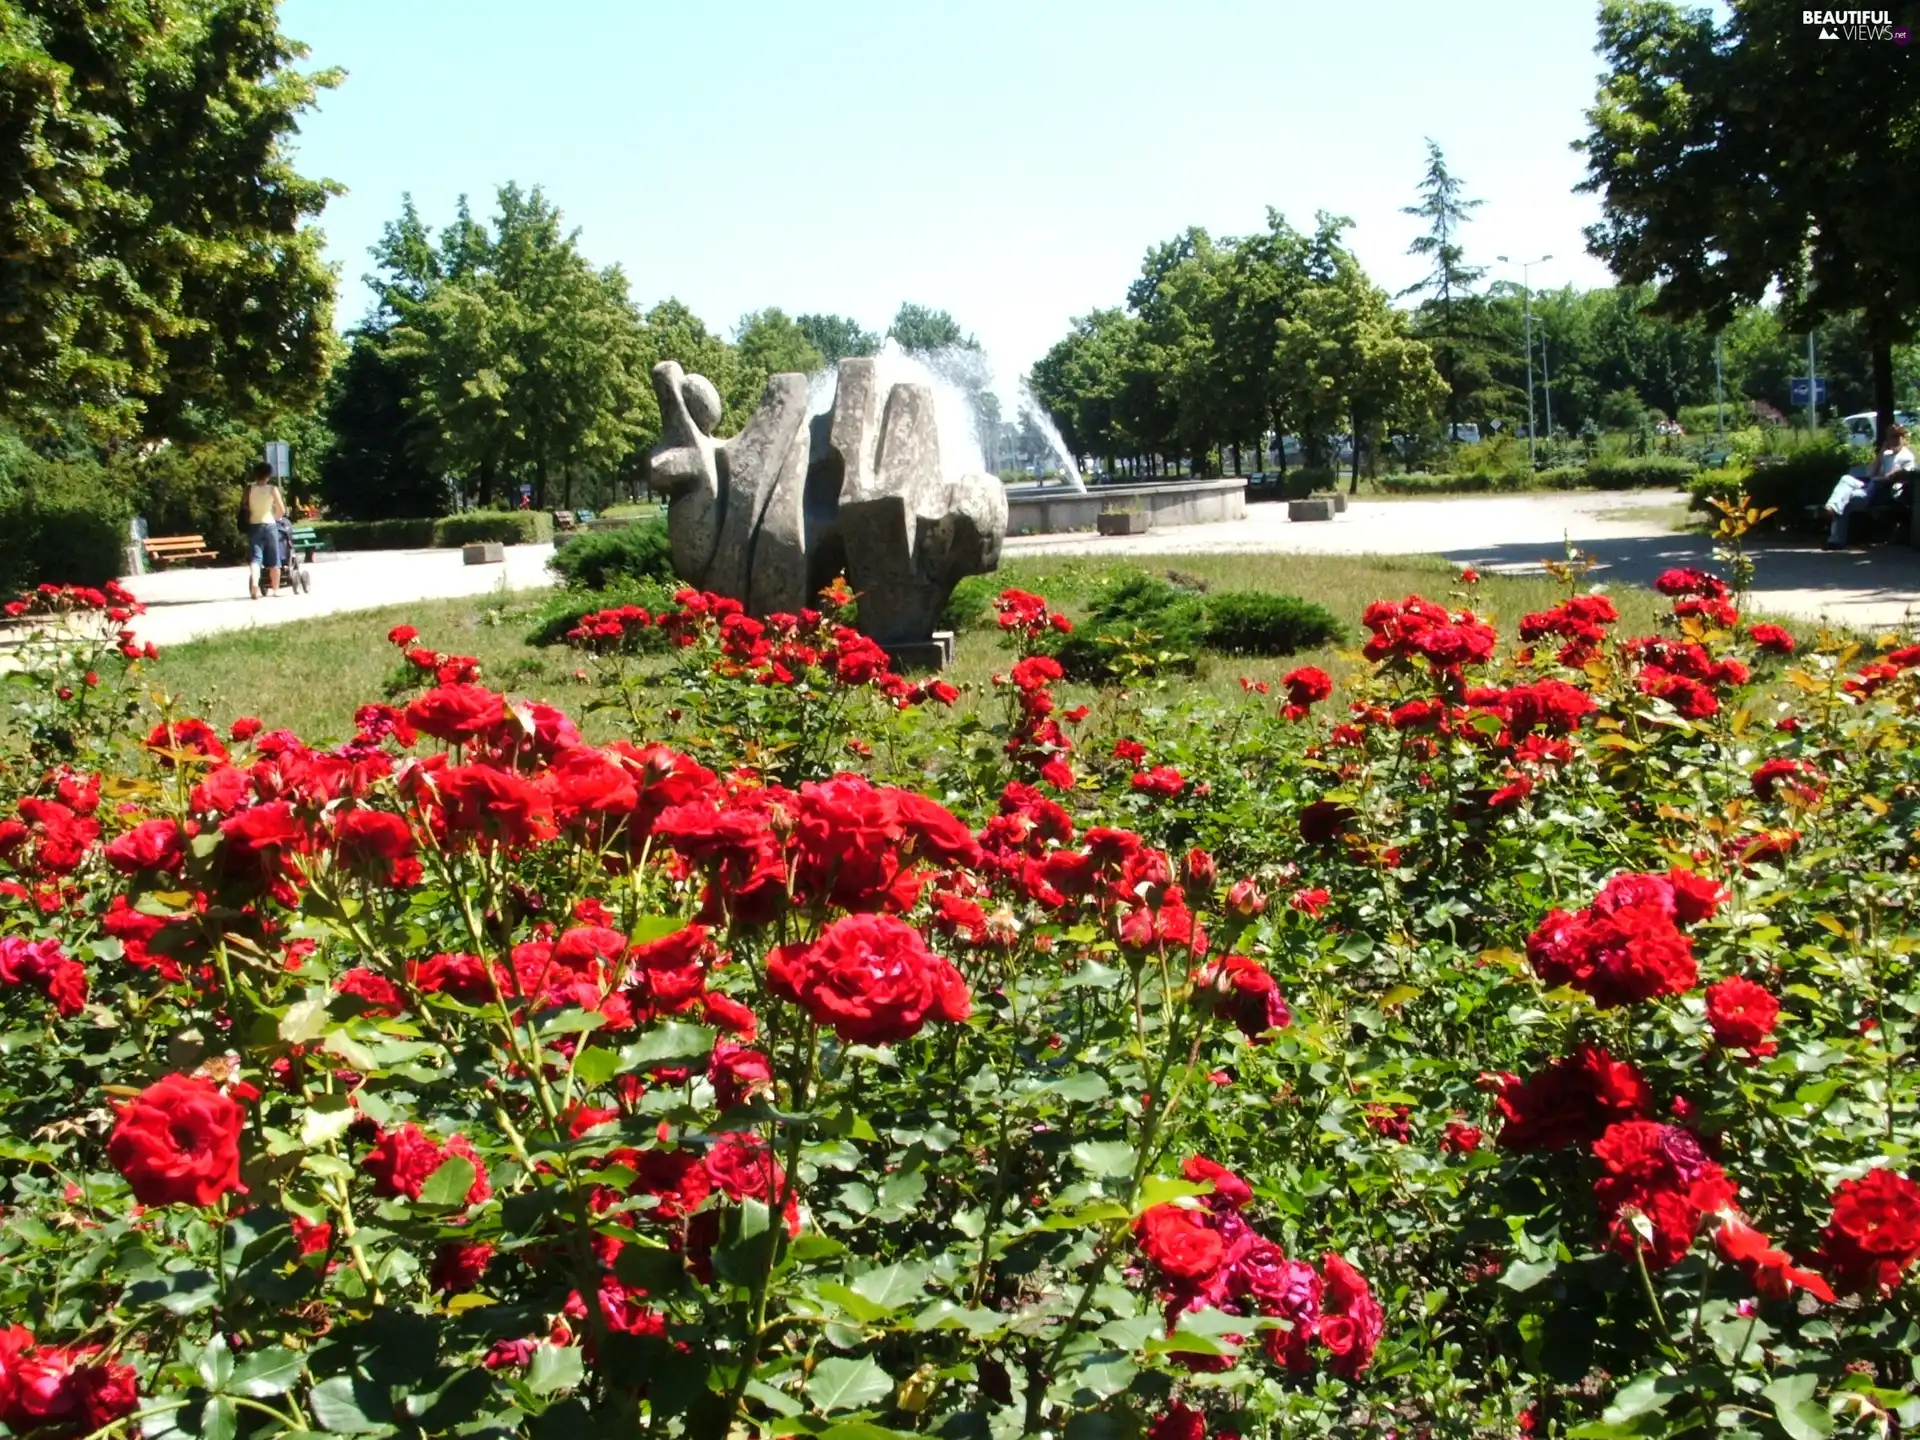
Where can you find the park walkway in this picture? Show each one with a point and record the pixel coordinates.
(188, 604)
(1518, 534)
(1514, 534)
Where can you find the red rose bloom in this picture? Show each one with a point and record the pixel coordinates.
(404, 1157)
(1181, 1242)
(1179, 1422)
(1875, 1231)
(1771, 639)
(1162, 780)
(871, 978)
(1802, 782)
(1240, 988)
(178, 1141)
(495, 804)
(1660, 1172)
(186, 739)
(1351, 1320)
(1324, 820)
(1570, 1102)
(374, 840)
(458, 1267)
(1742, 1014)
(457, 713)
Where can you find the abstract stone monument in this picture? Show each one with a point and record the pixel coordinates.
(771, 516)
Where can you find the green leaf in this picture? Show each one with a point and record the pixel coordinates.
(215, 1364)
(447, 1186)
(892, 1286)
(1094, 1425)
(1083, 1087)
(267, 1372)
(323, 1126)
(183, 1293)
(1108, 1159)
(1525, 1274)
(555, 1367)
(574, 1020)
(339, 1403)
(1799, 1414)
(1643, 1395)
(841, 1384)
(305, 1020)
(595, 1066)
(670, 1045)
(219, 1419)
(1159, 1189)
(858, 1306)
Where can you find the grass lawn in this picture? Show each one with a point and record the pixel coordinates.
(310, 677)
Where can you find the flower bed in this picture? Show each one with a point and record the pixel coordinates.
(1527, 1048)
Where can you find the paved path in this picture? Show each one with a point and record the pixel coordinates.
(187, 604)
(1516, 534)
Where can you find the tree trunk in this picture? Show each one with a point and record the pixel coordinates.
(1353, 419)
(1235, 447)
(1882, 388)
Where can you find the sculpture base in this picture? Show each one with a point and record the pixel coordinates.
(922, 655)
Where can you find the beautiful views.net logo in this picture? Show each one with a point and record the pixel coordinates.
(1857, 25)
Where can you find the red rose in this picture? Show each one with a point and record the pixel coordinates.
(1803, 783)
(1351, 1320)
(1162, 780)
(178, 1141)
(402, 636)
(1181, 1242)
(221, 792)
(1460, 1138)
(403, 1158)
(1324, 820)
(382, 998)
(871, 978)
(44, 966)
(1230, 1192)
(1742, 1014)
(1772, 1271)
(1875, 1231)
(1239, 987)
(1178, 1423)
(1771, 639)
(457, 713)
(185, 740)
(586, 786)
(495, 804)
(1570, 1102)
(1131, 751)
(1660, 1173)
(458, 1267)
(373, 840)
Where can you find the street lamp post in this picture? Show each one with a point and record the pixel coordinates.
(1526, 286)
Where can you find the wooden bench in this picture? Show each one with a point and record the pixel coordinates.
(307, 541)
(563, 520)
(178, 549)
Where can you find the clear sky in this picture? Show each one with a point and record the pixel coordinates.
(1008, 160)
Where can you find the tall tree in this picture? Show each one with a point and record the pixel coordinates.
(154, 255)
(837, 337)
(918, 327)
(768, 342)
(1714, 196)
(1446, 209)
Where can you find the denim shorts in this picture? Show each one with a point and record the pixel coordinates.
(266, 545)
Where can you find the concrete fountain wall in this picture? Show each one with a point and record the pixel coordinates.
(1054, 509)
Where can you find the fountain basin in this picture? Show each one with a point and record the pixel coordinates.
(1056, 509)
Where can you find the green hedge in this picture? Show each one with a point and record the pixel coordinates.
(375, 534)
(1260, 622)
(1639, 471)
(564, 608)
(502, 527)
(1183, 622)
(506, 527)
(64, 524)
(603, 559)
(1786, 485)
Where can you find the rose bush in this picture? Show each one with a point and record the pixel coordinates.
(1522, 1042)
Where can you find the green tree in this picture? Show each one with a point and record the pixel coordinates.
(917, 327)
(768, 342)
(1081, 381)
(837, 337)
(154, 253)
(1348, 354)
(1459, 350)
(1711, 193)
(673, 332)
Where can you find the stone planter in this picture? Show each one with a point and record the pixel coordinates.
(491, 552)
(1338, 499)
(1124, 522)
(1321, 509)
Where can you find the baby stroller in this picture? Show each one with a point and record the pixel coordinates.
(292, 573)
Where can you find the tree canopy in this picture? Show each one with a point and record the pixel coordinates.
(836, 336)
(1738, 156)
(155, 257)
(917, 327)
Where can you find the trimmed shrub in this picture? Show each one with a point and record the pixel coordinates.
(1638, 472)
(564, 609)
(63, 524)
(375, 534)
(1260, 622)
(604, 559)
(1136, 606)
(970, 606)
(1786, 484)
(502, 527)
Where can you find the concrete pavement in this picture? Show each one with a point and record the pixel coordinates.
(1512, 534)
(188, 604)
(1517, 534)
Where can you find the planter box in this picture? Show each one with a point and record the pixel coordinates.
(1338, 498)
(1124, 522)
(490, 552)
(1321, 509)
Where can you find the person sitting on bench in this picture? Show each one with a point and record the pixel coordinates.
(1856, 491)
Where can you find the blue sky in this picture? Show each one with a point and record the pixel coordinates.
(1010, 162)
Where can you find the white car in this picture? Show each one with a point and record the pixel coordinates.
(1860, 427)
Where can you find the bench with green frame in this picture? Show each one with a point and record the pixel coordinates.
(306, 541)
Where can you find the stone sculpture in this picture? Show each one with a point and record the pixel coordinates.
(772, 515)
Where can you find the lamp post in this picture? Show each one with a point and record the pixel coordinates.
(1526, 286)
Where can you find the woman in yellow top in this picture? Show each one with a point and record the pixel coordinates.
(264, 509)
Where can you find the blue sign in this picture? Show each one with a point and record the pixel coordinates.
(1797, 390)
